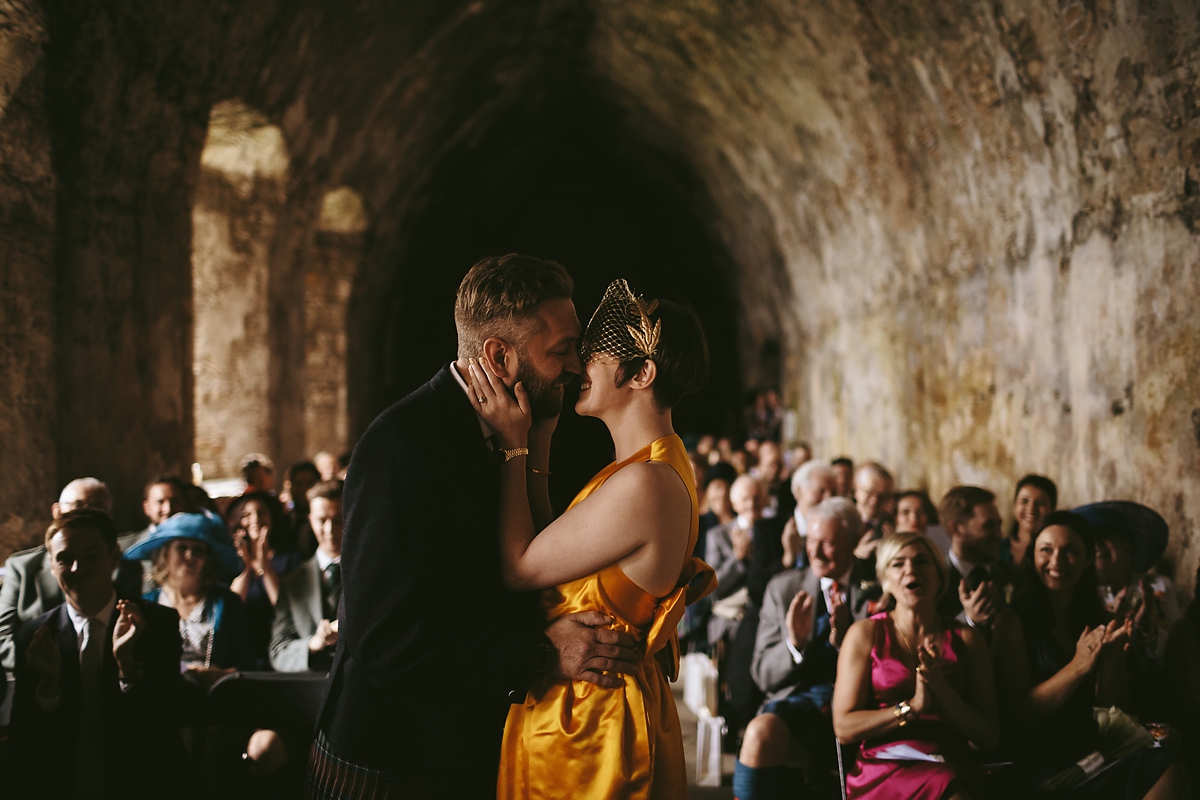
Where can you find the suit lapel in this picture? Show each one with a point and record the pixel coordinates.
(313, 591)
(68, 646)
(49, 591)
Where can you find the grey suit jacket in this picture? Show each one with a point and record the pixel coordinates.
(773, 668)
(718, 554)
(29, 590)
(297, 615)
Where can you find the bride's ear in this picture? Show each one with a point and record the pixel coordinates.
(645, 376)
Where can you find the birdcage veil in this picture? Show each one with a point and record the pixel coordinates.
(621, 326)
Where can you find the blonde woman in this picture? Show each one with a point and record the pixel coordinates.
(913, 686)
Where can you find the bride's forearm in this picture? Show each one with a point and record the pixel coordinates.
(537, 479)
(516, 521)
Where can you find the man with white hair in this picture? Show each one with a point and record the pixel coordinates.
(29, 589)
(805, 616)
(812, 484)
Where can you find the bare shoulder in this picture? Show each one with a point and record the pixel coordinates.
(652, 480)
(860, 637)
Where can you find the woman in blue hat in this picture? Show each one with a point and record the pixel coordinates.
(192, 554)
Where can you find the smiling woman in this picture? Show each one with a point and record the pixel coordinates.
(1057, 656)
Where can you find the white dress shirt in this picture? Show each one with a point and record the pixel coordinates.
(79, 622)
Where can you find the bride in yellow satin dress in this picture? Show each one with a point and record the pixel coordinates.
(623, 548)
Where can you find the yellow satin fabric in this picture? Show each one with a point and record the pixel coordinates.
(575, 739)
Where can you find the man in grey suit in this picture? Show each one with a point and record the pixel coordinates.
(805, 616)
(29, 588)
(305, 632)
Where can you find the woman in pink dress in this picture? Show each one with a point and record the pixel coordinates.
(914, 688)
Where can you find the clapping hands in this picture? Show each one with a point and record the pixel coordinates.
(931, 675)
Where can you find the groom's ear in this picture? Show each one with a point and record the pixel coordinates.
(500, 356)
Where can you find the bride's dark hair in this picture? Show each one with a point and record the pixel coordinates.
(682, 359)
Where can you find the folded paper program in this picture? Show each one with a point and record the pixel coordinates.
(906, 752)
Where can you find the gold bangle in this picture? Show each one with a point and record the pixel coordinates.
(537, 471)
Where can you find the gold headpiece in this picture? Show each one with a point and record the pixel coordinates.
(621, 326)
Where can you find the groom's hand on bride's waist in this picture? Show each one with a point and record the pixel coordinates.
(588, 650)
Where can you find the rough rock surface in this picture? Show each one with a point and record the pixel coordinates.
(969, 229)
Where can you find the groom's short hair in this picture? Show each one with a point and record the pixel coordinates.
(499, 293)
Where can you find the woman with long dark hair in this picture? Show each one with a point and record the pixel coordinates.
(1058, 655)
(1035, 497)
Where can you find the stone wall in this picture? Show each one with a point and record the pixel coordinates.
(240, 197)
(336, 257)
(28, 391)
(986, 217)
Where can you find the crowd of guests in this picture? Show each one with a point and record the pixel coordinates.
(933, 651)
(945, 654)
(113, 641)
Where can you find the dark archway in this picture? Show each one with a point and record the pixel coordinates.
(562, 181)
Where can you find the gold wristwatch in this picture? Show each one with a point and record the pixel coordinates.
(504, 456)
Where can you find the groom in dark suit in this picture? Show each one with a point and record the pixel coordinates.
(431, 648)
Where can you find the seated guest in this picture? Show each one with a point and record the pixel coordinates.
(728, 553)
(29, 588)
(1035, 497)
(769, 471)
(913, 678)
(1183, 674)
(258, 472)
(1130, 539)
(191, 553)
(693, 630)
(162, 497)
(267, 547)
(915, 513)
(805, 616)
(1058, 656)
(327, 464)
(306, 614)
(97, 679)
(873, 488)
(843, 467)
(978, 585)
(297, 480)
(812, 484)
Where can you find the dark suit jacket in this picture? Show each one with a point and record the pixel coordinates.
(1003, 574)
(432, 648)
(774, 669)
(140, 732)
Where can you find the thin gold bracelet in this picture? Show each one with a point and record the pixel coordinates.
(536, 471)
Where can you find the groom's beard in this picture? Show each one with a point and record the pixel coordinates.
(545, 396)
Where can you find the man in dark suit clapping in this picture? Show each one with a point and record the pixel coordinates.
(431, 648)
(98, 681)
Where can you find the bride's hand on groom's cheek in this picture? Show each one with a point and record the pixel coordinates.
(507, 413)
(589, 651)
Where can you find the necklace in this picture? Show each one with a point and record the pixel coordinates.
(906, 641)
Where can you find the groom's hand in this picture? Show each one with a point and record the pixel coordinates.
(587, 649)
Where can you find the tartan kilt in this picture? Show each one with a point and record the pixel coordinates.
(334, 778)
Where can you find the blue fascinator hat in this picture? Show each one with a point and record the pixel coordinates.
(202, 527)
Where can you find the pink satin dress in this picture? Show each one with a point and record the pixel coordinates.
(892, 681)
(575, 739)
